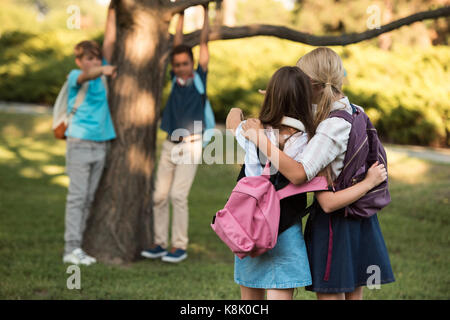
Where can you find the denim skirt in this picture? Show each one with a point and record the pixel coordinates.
(284, 266)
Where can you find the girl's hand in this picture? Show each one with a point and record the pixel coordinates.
(376, 174)
(252, 129)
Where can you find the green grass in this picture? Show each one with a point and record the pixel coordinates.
(33, 187)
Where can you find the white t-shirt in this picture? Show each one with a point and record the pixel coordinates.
(293, 147)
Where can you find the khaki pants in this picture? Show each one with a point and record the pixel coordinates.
(175, 175)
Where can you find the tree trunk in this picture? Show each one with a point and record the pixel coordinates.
(119, 225)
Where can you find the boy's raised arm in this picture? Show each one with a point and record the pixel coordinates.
(95, 72)
(178, 39)
(203, 59)
(110, 33)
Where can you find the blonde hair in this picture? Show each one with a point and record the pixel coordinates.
(324, 68)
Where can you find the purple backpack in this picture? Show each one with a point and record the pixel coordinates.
(363, 149)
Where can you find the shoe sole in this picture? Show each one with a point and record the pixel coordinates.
(77, 264)
(174, 260)
(153, 255)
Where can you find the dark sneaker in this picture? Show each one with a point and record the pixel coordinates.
(153, 253)
(176, 255)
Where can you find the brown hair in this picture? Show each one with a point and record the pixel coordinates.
(88, 46)
(182, 48)
(288, 94)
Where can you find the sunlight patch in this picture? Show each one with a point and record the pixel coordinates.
(53, 170)
(31, 173)
(6, 154)
(11, 131)
(34, 155)
(62, 180)
(405, 169)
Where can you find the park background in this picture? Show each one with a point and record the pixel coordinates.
(401, 79)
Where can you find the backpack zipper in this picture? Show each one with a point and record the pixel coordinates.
(376, 190)
(359, 149)
(382, 160)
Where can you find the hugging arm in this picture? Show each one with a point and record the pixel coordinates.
(234, 118)
(290, 168)
(327, 138)
(332, 201)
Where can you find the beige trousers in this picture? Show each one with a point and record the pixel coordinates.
(174, 177)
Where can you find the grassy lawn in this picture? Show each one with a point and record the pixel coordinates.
(33, 187)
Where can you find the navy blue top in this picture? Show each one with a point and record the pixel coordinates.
(185, 105)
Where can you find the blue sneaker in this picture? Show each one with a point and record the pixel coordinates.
(176, 255)
(154, 253)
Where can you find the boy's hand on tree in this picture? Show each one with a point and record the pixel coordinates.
(109, 70)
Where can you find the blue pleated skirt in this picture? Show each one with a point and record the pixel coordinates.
(357, 255)
(284, 266)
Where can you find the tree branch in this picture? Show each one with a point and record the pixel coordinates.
(181, 5)
(226, 33)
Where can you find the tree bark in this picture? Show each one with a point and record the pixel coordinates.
(119, 226)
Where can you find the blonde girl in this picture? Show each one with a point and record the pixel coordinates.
(358, 245)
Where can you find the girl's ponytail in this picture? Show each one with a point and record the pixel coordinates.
(326, 73)
(324, 105)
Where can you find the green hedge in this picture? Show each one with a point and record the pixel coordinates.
(406, 92)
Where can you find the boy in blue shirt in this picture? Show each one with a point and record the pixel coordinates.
(89, 130)
(174, 178)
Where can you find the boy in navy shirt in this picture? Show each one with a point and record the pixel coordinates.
(174, 178)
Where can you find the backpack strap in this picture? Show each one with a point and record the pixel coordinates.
(262, 163)
(344, 114)
(199, 84)
(174, 80)
(341, 114)
(105, 84)
(316, 184)
(78, 100)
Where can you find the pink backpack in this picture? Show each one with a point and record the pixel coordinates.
(248, 224)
